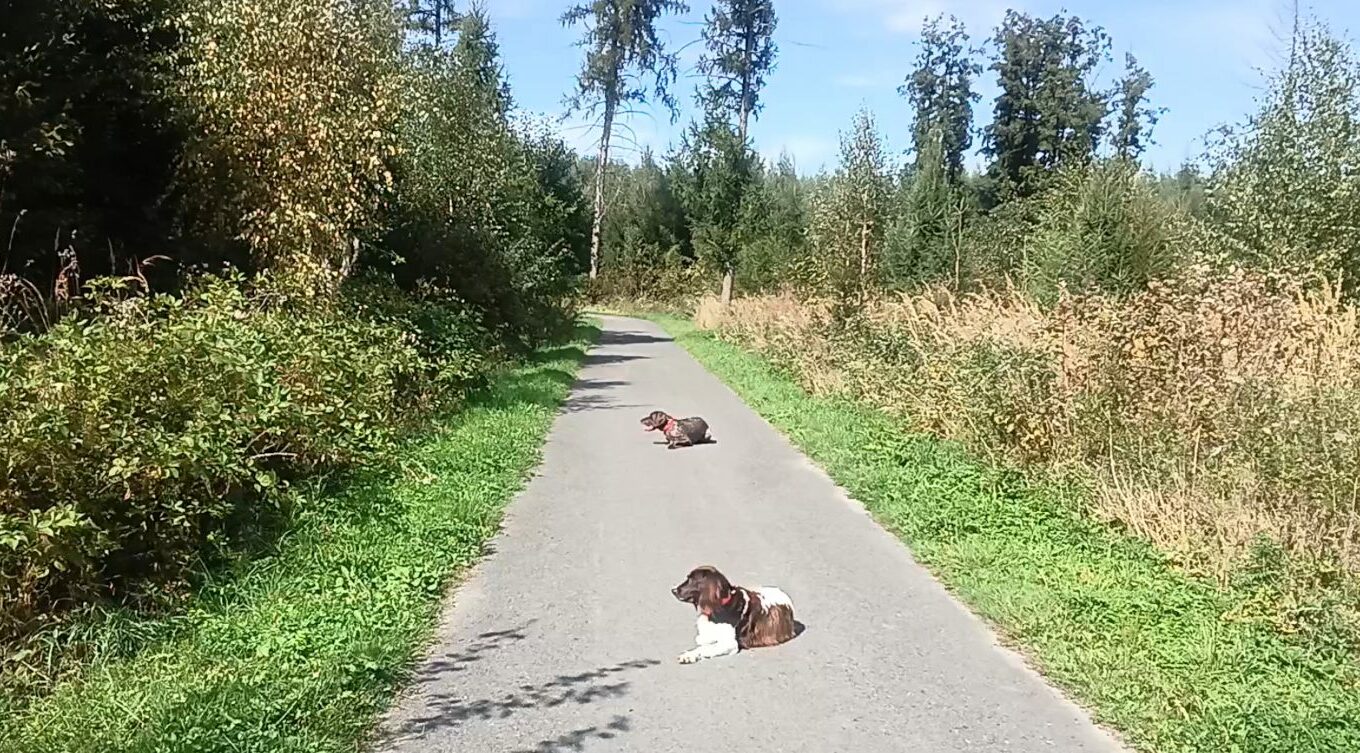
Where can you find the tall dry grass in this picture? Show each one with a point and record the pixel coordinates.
(1217, 415)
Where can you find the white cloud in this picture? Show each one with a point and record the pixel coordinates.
(809, 152)
(1253, 31)
(502, 9)
(906, 16)
(631, 136)
(865, 81)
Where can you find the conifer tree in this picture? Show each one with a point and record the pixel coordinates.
(622, 48)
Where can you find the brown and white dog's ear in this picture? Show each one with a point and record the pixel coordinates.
(714, 591)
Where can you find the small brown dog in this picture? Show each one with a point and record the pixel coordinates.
(679, 432)
(732, 618)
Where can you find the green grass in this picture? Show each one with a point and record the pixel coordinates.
(1152, 653)
(303, 649)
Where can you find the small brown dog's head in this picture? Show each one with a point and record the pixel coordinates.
(705, 588)
(655, 420)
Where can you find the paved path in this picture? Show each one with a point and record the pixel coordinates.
(565, 638)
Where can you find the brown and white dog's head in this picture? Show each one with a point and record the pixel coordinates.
(706, 588)
(655, 421)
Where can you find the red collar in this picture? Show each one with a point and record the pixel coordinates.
(670, 424)
(728, 599)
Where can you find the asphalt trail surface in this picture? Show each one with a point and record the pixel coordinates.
(566, 637)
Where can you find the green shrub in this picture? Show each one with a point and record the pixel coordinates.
(146, 436)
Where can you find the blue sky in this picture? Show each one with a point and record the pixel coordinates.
(838, 55)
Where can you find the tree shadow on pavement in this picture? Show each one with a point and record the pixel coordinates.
(475, 651)
(593, 394)
(576, 739)
(450, 709)
(600, 359)
(609, 337)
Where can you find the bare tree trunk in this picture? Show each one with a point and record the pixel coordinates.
(748, 43)
(601, 167)
(864, 253)
(439, 24)
(728, 274)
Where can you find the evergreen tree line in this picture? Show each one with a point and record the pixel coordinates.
(1056, 197)
(321, 139)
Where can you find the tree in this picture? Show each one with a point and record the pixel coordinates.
(922, 242)
(1048, 112)
(719, 172)
(1184, 189)
(739, 37)
(435, 19)
(740, 53)
(1271, 174)
(941, 94)
(645, 233)
(481, 210)
(1135, 119)
(89, 138)
(565, 216)
(294, 124)
(477, 55)
(622, 46)
(850, 215)
(774, 227)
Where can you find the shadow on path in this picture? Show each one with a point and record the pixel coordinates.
(609, 337)
(599, 359)
(576, 739)
(582, 398)
(474, 652)
(447, 709)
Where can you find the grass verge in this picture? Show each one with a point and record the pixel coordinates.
(1174, 664)
(303, 649)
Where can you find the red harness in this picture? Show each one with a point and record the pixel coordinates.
(726, 600)
(670, 424)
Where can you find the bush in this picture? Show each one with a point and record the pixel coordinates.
(1102, 227)
(1284, 184)
(450, 336)
(146, 436)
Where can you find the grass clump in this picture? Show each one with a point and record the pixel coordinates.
(1173, 662)
(301, 649)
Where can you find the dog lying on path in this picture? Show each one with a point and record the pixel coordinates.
(679, 432)
(732, 618)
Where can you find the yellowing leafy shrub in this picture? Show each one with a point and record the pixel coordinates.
(292, 108)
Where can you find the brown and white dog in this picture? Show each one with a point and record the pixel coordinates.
(680, 432)
(732, 618)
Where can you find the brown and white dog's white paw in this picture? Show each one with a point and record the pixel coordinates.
(689, 657)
